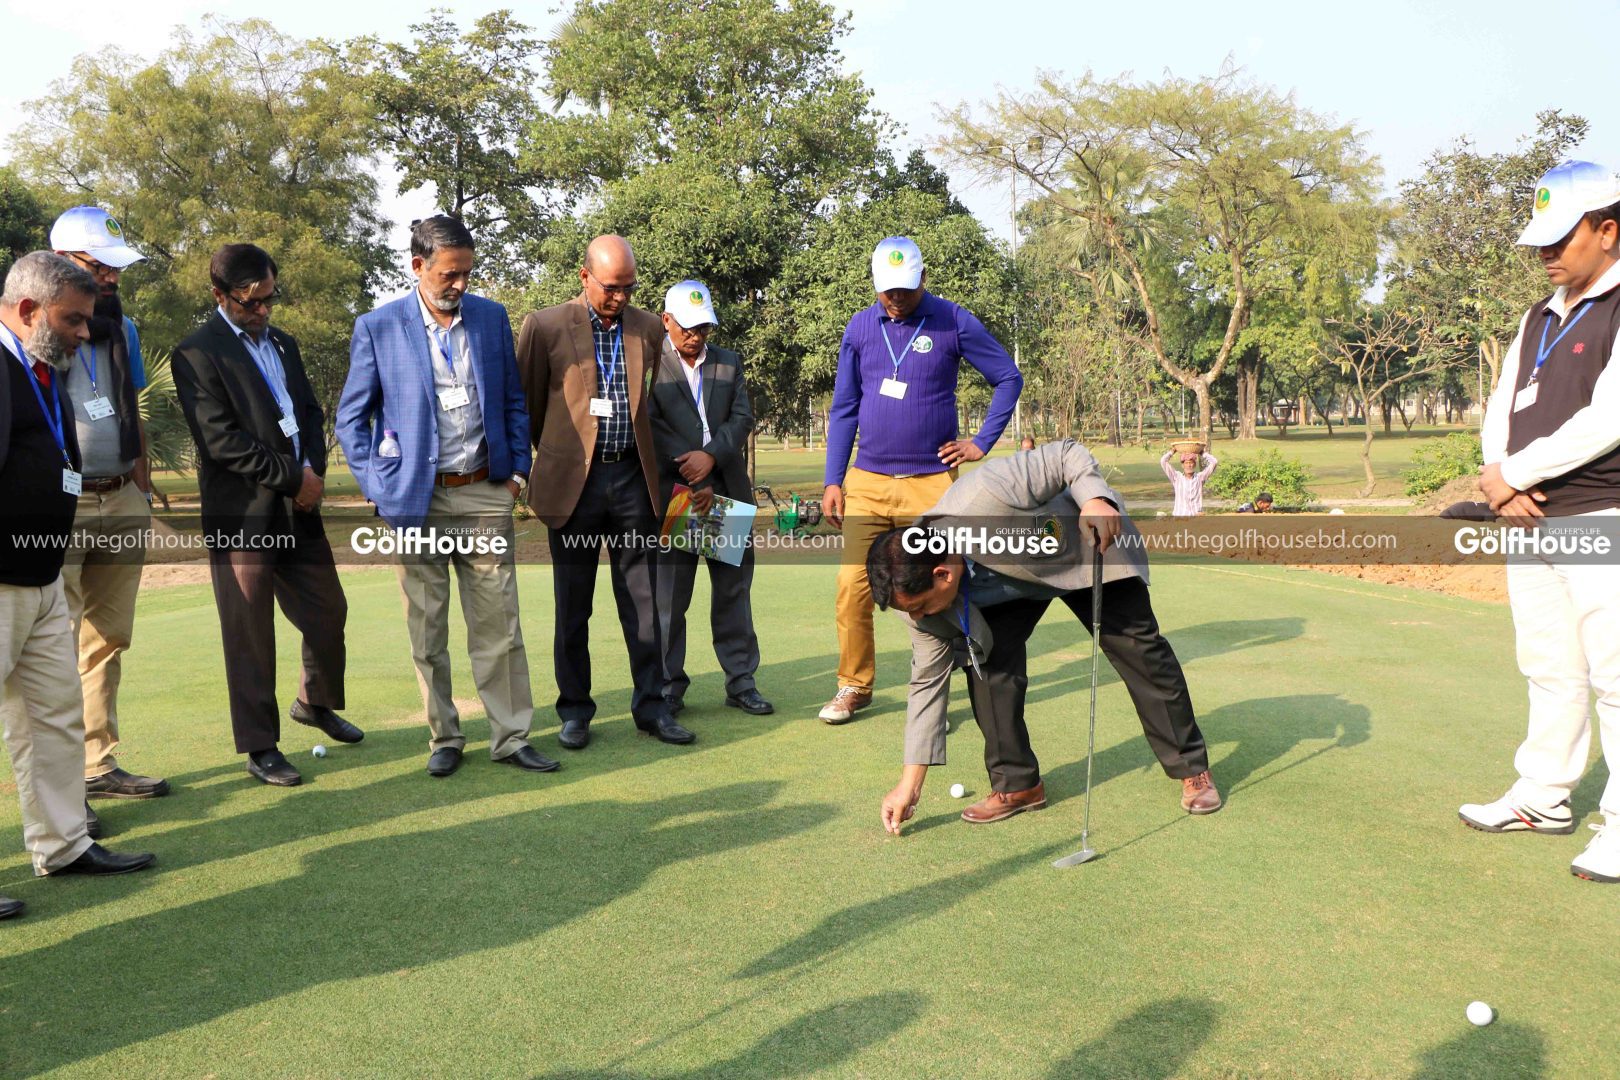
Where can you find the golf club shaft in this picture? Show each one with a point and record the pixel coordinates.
(1091, 727)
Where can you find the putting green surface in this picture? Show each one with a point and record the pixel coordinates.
(732, 909)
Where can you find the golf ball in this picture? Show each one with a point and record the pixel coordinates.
(1480, 1014)
(957, 791)
(319, 751)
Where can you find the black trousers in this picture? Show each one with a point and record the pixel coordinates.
(731, 619)
(614, 509)
(247, 586)
(1130, 639)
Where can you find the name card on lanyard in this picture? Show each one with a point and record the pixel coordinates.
(72, 481)
(603, 406)
(456, 397)
(98, 407)
(1527, 397)
(892, 386)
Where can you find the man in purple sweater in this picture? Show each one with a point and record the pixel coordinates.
(897, 372)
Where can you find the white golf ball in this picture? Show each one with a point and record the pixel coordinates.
(1480, 1014)
(319, 751)
(957, 791)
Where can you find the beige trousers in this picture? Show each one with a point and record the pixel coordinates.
(101, 576)
(487, 584)
(43, 720)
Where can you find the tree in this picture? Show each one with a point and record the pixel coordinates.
(1227, 175)
(245, 135)
(453, 112)
(24, 220)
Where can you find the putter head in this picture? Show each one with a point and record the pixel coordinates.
(1084, 855)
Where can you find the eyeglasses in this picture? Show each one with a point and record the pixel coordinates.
(257, 303)
(98, 269)
(614, 290)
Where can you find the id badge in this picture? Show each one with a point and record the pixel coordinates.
(72, 482)
(893, 388)
(98, 408)
(289, 426)
(1525, 398)
(453, 398)
(601, 406)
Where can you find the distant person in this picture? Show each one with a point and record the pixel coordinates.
(1550, 451)
(1188, 481)
(45, 315)
(701, 419)
(898, 366)
(433, 426)
(261, 470)
(1026, 443)
(1261, 504)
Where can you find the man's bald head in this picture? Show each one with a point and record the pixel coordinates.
(609, 275)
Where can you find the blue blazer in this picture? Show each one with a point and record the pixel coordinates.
(390, 387)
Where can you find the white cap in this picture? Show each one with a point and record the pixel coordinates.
(896, 264)
(92, 231)
(689, 302)
(1565, 192)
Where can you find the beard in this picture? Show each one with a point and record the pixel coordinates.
(108, 317)
(46, 347)
(446, 303)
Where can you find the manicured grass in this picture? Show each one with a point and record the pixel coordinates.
(732, 909)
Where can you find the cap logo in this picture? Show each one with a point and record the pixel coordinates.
(1543, 197)
(697, 298)
(896, 257)
(113, 228)
(923, 344)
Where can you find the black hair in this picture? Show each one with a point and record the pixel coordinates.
(1264, 496)
(1596, 218)
(240, 266)
(434, 234)
(891, 569)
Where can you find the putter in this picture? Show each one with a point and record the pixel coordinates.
(1086, 854)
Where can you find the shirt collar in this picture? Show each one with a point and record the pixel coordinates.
(596, 320)
(1607, 283)
(428, 320)
(238, 331)
(681, 360)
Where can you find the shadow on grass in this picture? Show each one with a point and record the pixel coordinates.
(1589, 792)
(818, 1040)
(1503, 1051)
(1153, 1043)
(368, 908)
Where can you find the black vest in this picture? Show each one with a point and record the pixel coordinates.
(36, 515)
(1564, 387)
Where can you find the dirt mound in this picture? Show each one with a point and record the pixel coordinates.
(1462, 489)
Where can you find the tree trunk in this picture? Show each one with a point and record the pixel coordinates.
(1388, 411)
(1400, 409)
(1366, 451)
(1248, 394)
(1206, 423)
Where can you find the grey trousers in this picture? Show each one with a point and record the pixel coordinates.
(731, 619)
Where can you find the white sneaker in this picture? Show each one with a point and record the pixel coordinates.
(1601, 859)
(1508, 814)
(845, 703)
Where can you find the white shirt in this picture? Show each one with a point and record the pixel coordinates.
(694, 382)
(461, 430)
(1589, 434)
(1189, 489)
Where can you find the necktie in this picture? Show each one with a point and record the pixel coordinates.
(42, 372)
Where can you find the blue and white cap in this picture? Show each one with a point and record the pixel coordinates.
(896, 264)
(690, 304)
(92, 231)
(1565, 192)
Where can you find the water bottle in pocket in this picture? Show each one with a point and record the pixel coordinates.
(389, 447)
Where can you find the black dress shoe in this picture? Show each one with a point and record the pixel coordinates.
(527, 757)
(749, 701)
(272, 767)
(444, 761)
(10, 908)
(575, 734)
(319, 716)
(98, 860)
(119, 784)
(92, 823)
(665, 729)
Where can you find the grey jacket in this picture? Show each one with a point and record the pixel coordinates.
(1033, 492)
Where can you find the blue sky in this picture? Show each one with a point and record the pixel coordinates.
(1411, 75)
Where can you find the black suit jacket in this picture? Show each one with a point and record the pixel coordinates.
(677, 427)
(246, 467)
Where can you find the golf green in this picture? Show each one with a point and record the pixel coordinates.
(733, 909)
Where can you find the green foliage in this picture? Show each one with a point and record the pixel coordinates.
(244, 135)
(24, 220)
(1242, 479)
(1437, 463)
(168, 439)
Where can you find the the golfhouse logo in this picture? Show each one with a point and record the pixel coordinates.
(114, 229)
(1054, 528)
(923, 344)
(696, 298)
(896, 258)
(1543, 197)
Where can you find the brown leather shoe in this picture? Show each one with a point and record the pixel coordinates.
(842, 708)
(1004, 804)
(1198, 794)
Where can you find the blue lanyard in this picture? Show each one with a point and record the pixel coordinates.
(89, 362)
(613, 363)
(53, 419)
(444, 350)
(967, 632)
(698, 399)
(1544, 350)
(885, 332)
(253, 348)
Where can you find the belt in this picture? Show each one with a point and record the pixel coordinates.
(613, 457)
(461, 479)
(100, 485)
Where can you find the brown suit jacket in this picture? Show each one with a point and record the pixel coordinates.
(557, 367)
